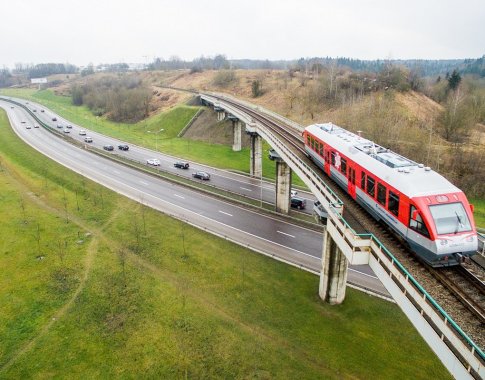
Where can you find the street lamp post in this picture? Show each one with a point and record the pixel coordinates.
(156, 137)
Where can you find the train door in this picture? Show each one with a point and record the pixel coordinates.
(327, 162)
(351, 182)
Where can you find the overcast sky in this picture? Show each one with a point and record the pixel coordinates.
(109, 31)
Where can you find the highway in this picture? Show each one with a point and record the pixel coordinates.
(271, 236)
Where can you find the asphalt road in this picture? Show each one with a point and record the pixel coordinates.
(264, 234)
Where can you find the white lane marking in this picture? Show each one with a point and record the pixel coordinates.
(244, 188)
(284, 233)
(144, 183)
(362, 273)
(225, 213)
(179, 196)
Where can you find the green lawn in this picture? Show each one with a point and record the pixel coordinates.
(148, 296)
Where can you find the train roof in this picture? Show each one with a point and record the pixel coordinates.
(405, 175)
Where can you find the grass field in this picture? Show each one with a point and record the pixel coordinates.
(144, 295)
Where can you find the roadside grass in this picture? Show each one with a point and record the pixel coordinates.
(172, 121)
(166, 300)
(479, 213)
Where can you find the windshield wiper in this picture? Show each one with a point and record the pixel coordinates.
(460, 224)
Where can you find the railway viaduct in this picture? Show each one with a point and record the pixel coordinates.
(343, 246)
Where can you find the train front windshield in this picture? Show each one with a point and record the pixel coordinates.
(450, 218)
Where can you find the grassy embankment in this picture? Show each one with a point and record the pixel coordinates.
(147, 295)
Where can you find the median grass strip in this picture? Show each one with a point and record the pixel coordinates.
(166, 300)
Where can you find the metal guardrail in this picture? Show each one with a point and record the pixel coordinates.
(468, 353)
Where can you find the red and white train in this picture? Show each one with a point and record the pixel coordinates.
(432, 215)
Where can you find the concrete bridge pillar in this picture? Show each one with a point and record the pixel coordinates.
(333, 277)
(237, 129)
(256, 160)
(221, 115)
(283, 186)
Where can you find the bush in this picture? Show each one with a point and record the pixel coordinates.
(224, 78)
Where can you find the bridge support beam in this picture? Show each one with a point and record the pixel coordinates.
(221, 115)
(283, 187)
(237, 130)
(256, 162)
(333, 277)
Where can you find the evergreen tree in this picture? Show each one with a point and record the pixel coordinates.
(454, 80)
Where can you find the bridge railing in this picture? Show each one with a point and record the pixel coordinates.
(466, 353)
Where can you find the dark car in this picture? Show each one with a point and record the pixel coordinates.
(108, 147)
(54, 119)
(297, 202)
(181, 165)
(123, 147)
(273, 155)
(201, 175)
(41, 110)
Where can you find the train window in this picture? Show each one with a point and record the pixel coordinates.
(343, 166)
(308, 139)
(371, 186)
(321, 150)
(418, 223)
(317, 146)
(381, 194)
(393, 203)
(362, 180)
(332, 158)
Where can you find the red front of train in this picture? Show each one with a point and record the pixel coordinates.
(426, 210)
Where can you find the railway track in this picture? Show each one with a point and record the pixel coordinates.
(460, 294)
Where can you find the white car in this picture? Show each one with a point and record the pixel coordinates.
(28, 127)
(293, 192)
(36, 126)
(69, 126)
(82, 132)
(66, 130)
(153, 161)
(88, 139)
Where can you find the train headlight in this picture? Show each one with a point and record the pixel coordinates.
(444, 242)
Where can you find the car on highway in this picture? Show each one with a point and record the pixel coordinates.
(41, 110)
(108, 147)
(201, 175)
(82, 132)
(12, 107)
(66, 130)
(153, 161)
(34, 110)
(273, 155)
(69, 126)
(36, 126)
(88, 139)
(28, 127)
(297, 202)
(23, 121)
(181, 165)
(59, 126)
(54, 119)
(123, 147)
(293, 192)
